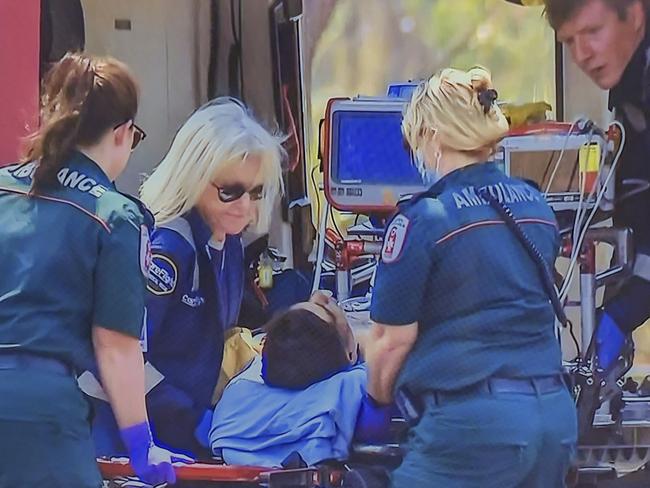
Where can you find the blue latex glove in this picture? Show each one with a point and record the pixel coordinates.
(152, 464)
(373, 422)
(609, 341)
(202, 431)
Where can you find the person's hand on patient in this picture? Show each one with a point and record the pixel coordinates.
(340, 321)
(325, 300)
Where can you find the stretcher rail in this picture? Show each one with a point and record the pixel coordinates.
(120, 467)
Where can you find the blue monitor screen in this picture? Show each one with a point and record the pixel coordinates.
(404, 90)
(367, 148)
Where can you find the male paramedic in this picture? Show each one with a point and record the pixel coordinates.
(608, 40)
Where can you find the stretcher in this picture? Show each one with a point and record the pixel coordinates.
(218, 475)
(215, 474)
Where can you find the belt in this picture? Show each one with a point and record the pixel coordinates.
(29, 361)
(525, 386)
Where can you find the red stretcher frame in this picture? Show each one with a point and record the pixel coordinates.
(115, 468)
(221, 473)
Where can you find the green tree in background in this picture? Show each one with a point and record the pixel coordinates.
(358, 46)
(368, 43)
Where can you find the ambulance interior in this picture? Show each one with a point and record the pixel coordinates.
(301, 67)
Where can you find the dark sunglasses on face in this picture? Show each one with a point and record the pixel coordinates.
(138, 134)
(233, 192)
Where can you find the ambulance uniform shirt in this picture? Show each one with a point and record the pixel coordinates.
(70, 258)
(451, 264)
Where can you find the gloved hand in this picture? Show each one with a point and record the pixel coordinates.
(373, 422)
(202, 431)
(152, 464)
(609, 341)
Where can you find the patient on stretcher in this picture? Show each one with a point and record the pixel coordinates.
(305, 395)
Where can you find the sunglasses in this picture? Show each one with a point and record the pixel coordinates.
(231, 193)
(139, 135)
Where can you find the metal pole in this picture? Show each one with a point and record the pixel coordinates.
(587, 294)
(342, 271)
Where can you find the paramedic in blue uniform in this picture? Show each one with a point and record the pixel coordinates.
(462, 325)
(220, 176)
(73, 255)
(609, 40)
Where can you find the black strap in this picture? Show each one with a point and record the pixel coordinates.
(534, 253)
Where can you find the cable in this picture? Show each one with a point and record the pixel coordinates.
(321, 248)
(546, 170)
(241, 50)
(236, 49)
(559, 159)
(233, 26)
(577, 227)
(336, 227)
(576, 167)
(577, 223)
(601, 194)
(214, 48)
(579, 213)
(575, 341)
(316, 189)
(531, 249)
(580, 229)
(574, 338)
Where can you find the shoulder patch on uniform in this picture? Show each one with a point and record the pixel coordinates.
(394, 240)
(145, 251)
(163, 275)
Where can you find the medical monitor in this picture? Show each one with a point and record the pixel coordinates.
(567, 166)
(403, 90)
(366, 163)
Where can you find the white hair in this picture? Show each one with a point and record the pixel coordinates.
(218, 134)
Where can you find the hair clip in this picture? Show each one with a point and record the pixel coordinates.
(487, 98)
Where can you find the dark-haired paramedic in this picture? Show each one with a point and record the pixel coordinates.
(73, 259)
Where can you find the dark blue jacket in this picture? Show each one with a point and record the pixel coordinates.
(195, 291)
(630, 98)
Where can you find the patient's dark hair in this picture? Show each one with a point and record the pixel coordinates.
(301, 349)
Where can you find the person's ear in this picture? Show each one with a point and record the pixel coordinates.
(636, 12)
(427, 134)
(121, 134)
(430, 143)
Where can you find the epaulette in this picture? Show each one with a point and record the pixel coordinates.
(149, 219)
(410, 200)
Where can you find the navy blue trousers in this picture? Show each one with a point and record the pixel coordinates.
(492, 440)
